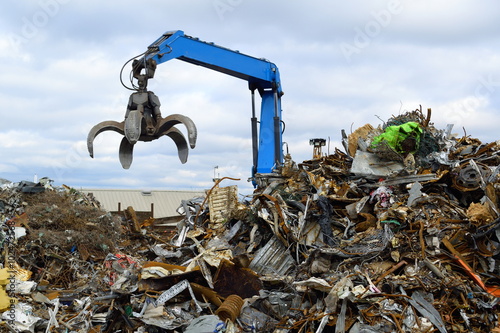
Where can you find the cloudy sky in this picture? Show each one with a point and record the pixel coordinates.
(343, 64)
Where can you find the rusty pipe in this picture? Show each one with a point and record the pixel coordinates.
(230, 308)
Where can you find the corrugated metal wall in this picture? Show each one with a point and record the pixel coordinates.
(165, 202)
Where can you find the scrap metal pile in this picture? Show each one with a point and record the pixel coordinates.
(399, 233)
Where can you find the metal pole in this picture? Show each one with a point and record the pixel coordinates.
(277, 145)
(255, 149)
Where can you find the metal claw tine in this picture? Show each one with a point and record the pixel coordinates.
(174, 119)
(109, 125)
(126, 153)
(180, 142)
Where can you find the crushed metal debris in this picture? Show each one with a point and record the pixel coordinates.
(399, 233)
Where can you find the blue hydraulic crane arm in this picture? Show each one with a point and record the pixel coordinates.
(260, 74)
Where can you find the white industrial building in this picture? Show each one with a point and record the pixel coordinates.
(161, 204)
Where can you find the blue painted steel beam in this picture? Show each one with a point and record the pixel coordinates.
(176, 45)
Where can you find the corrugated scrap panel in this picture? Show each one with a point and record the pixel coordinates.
(273, 259)
(221, 202)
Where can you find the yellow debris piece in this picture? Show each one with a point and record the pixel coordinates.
(5, 300)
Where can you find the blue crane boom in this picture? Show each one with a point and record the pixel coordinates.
(261, 75)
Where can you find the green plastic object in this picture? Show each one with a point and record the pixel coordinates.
(400, 137)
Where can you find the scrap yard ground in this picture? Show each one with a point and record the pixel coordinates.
(387, 236)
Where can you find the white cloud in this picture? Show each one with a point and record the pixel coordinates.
(64, 79)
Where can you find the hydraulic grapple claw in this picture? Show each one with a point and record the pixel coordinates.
(143, 121)
(136, 128)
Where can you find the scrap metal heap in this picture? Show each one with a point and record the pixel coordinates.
(399, 233)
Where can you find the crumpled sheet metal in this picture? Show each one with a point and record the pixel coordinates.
(426, 309)
(273, 258)
(368, 165)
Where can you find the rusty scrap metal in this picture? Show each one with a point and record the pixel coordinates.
(230, 308)
(322, 248)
